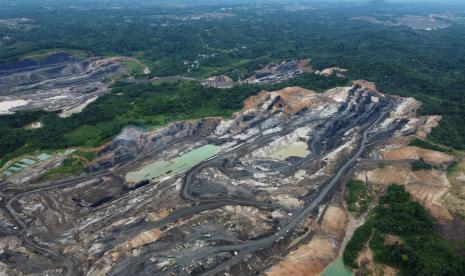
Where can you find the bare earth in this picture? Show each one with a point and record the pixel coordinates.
(312, 258)
(416, 153)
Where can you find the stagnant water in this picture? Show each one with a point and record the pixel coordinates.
(299, 149)
(337, 269)
(173, 166)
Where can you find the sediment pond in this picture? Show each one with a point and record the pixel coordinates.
(299, 149)
(337, 269)
(173, 166)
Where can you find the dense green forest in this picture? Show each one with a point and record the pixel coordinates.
(418, 250)
(427, 65)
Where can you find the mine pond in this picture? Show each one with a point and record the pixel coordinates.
(299, 149)
(337, 269)
(173, 166)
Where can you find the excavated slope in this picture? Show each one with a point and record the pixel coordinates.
(230, 210)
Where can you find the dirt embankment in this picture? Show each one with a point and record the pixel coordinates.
(373, 268)
(332, 71)
(416, 153)
(313, 257)
(427, 187)
(292, 100)
(309, 259)
(455, 199)
(335, 221)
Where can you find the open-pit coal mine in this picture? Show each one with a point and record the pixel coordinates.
(203, 197)
(60, 82)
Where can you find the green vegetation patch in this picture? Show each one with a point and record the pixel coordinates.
(135, 67)
(452, 167)
(89, 156)
(428, 145)
(357, 243)
(357, 197)
(418, 249)
(420, 165)
(43, 54)
(71, 166)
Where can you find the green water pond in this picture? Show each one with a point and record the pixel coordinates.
(299, 149)
(337, 269)
(173, 166)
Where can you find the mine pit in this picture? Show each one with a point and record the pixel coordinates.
(201, 196)
(58, 83)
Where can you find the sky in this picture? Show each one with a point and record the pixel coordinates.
(203, 2)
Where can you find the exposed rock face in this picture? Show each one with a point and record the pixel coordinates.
(133, 142)
(274, 73)
(221, 81)
(228, 208)
(332, 71)
(144, 238)
(367, 85)
(430, 123)
(290, 100)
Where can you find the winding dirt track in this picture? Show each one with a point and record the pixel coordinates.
(257, 245)
(202, 204)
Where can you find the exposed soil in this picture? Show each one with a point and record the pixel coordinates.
(222, 212)
(416, 153)
(313, 257)
(335, 221)
(427, 187)
(455, 199)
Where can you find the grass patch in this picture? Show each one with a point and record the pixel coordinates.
(87, 155)
(71, 166)
(357, 197)
(91, 135)
(428, 145)
(135, 67)
(208, 70)
(43, 54)
(420, 165)
(452, 167)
